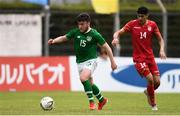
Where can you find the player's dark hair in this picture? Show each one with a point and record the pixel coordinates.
(143, 10)
(83, 17)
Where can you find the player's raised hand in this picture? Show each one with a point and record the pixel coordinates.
(162, 54)
(115, 42)
(50, 41)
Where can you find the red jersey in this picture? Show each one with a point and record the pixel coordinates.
(141, 38)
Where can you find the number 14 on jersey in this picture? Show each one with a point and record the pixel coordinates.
(143, 35)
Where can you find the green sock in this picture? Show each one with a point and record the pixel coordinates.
(97, 93)
(88, 90)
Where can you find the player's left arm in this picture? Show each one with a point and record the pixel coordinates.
(103, 44)
(162, 53)
(110, 55)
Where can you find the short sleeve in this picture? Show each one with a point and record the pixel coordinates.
(128, 26)
(71, 34)
(99, 38)
(156, 29)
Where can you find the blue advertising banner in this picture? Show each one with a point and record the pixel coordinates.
(126, 78)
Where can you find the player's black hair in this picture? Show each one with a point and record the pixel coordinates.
(143, 10)
(83, 17)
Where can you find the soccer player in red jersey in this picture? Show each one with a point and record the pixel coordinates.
(142, 31)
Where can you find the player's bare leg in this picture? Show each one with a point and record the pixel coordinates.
(84, 77)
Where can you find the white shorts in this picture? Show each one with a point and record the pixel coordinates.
(89, 64)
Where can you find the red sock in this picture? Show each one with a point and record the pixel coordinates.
(150, 89)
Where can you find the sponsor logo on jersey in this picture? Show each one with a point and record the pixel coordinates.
(128, 75)
(88, 38)
(137, 27)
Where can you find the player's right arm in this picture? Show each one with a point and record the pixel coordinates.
(59, 39)
(116, 36)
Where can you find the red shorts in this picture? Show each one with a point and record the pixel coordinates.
(147, 66)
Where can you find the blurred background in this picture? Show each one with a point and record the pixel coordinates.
(58, 17)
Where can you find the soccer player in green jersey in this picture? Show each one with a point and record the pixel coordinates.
(86, 41)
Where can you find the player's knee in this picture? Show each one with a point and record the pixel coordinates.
(150, 79)
(83, 79)
(85, 75)
(91, 80)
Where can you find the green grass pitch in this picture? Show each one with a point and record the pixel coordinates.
(75, 103)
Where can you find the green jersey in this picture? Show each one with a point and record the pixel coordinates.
(85, 44)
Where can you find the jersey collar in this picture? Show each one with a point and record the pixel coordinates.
(89, 29)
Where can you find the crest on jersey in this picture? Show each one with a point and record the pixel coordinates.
(149, 28)
(78, 36)
(88, 38)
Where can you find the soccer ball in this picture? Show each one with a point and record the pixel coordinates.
(47, 103)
